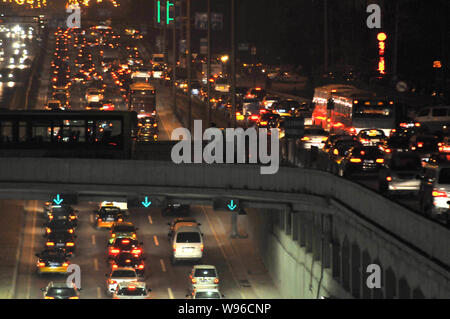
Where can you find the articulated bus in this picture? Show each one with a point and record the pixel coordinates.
(142, 98)
(347, 110)
(77, 134)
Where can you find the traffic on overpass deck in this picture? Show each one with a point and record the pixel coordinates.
(192, 150)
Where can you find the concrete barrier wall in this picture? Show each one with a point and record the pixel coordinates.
(415, 230)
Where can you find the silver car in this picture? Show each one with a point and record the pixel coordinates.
(132, 290)
(120, 275)
(203, 276)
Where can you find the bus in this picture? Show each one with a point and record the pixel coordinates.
(345, 109)
(75, 134)
(142, 99)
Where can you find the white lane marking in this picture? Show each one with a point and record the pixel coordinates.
(99, 293)
(169, 290)
(33, 231)
(91, 218)
(219, 243)
(150, 219)
(156, 240)
(93, 240)
(163, 266)
(96, 264)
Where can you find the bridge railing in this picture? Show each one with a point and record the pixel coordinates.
(422, 234)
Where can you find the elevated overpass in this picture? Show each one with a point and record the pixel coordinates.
(317, 233)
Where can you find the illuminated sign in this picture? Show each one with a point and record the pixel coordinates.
(160, 10)
(381, 37)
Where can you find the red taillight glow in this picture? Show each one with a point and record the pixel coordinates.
(70, 244)
(355, 160)
(437, 193)
(420, 144)
(389, 178)
(115, 266)
(194, 281)
(41, 264)
(65, 264)
(380, 160)
(114, 251)
(136, 251)
(141, 266)
(216, 280)
(49, 243)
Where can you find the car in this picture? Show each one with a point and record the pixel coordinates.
(94, 95)
(131, 290)
(269, 100)
(54, 105)
(180, 220)
(434, 118)
(148, 121)
(59, 226)
(147, 134)
(176, 209)
(256, 93)
(267, 120)
(60, 290)
(119, 275)
(434, 193)
(128, 245)
(425, 145)
(187, 242)
(400, 173)
(222, 85)
(61, 242)
(371, 137)
(203, 276)
(313, 136)
(129, 260)
(122, 230)
(334, 138)
(363, 160)
(339, 149)
(63, 212)
(106, 216)
(52, 262)
(96, 106)
(206, 293)
(398, 140)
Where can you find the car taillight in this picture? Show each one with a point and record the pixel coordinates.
(113, 281)
(49, 243)
(65, 264)
(389, 178)
(114, 251)
(99, 219)
(48, 230)
(115, 266)
(47, 297)
(41, 264)
(202, 246)
(444, 149)
(120, 220)
(420, 144)
(71, 231)
(336, 151)
(306, 138)
(70, 244)
(136, 251)
(355, 160)
(141, 266)
(194, 281)
(387, 150)
(113, 235)
(50, 217)
(74, 298)
(263, 123)
(174, 247)
(254, 117)
(437, 193)
(216, 280)
(72, 217)
(134, 236)
(380, 160)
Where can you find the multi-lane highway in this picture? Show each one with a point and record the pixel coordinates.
(242, 274)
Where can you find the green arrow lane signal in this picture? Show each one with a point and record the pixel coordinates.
(231, 205)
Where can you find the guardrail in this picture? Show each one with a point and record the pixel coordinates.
(421, 234)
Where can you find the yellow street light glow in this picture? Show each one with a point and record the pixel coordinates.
(224, 58)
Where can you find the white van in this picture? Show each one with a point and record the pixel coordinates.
(435, 118)
(187, 242)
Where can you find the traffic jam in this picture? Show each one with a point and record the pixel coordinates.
(125, 253)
